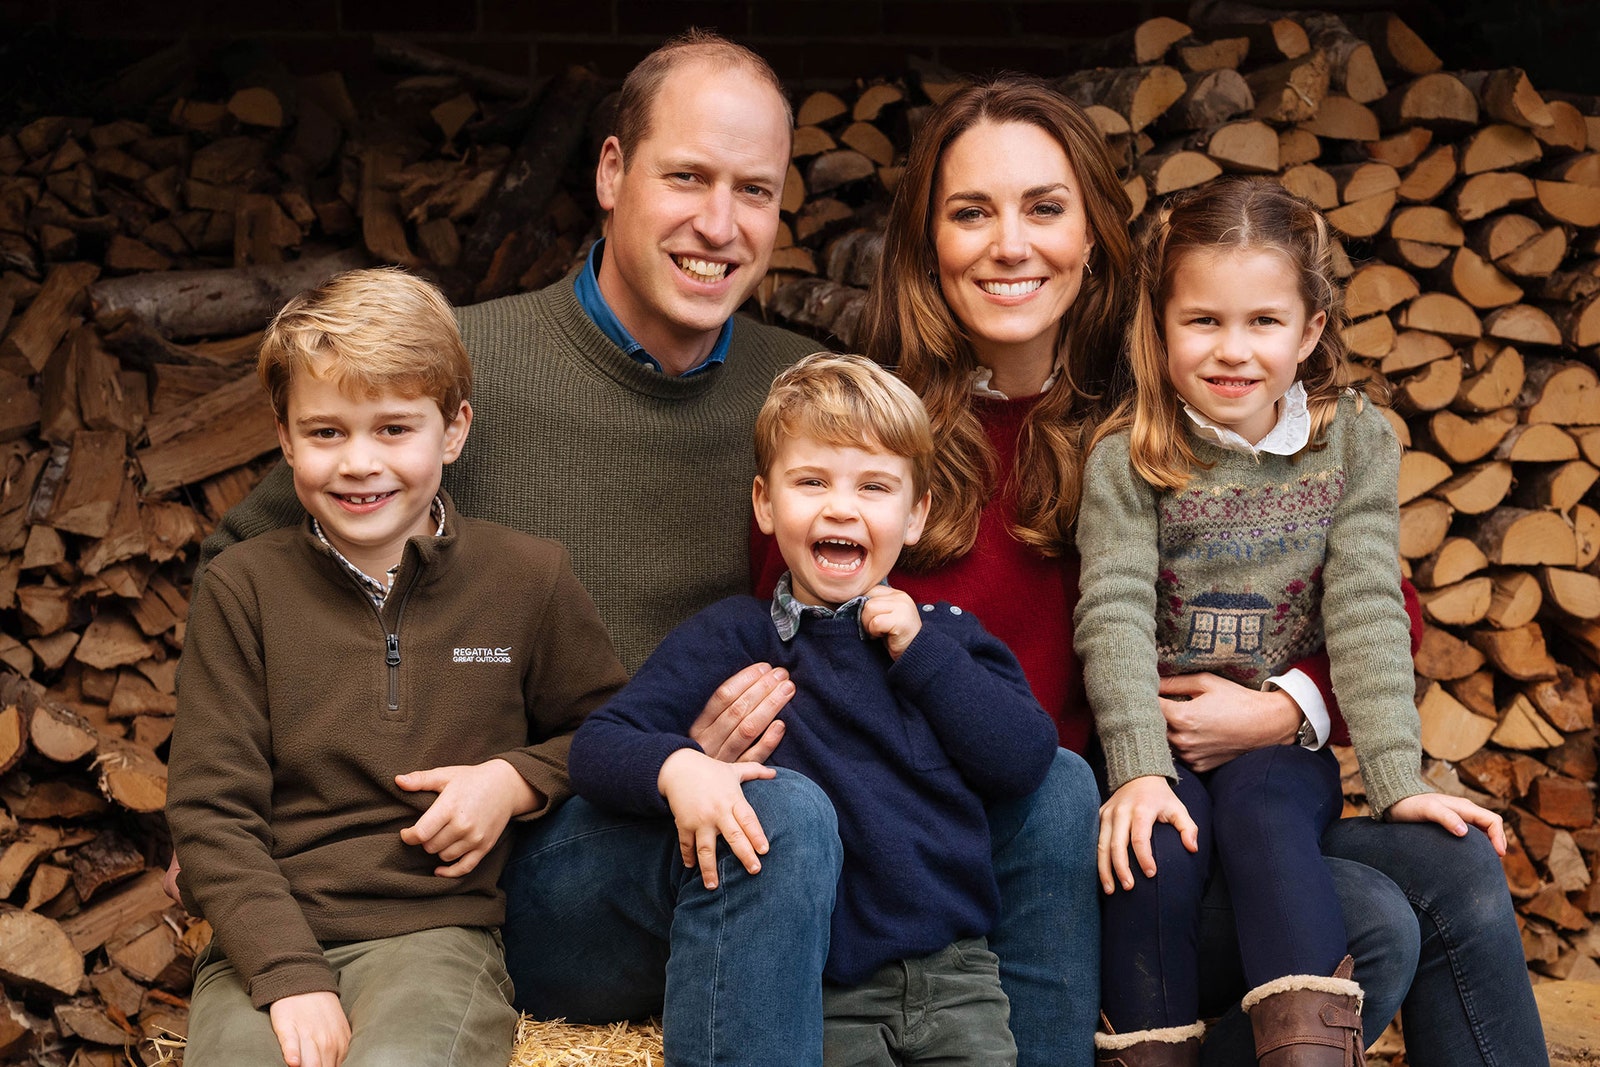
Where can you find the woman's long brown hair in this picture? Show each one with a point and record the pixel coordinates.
(908, 326)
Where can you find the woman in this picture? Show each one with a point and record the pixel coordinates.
(1000, 301)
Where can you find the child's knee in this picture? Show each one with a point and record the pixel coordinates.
(799, 820)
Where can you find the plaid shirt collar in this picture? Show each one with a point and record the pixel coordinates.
(787, 611)
(377, 591)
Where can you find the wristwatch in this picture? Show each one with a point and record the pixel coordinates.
(1306, 736)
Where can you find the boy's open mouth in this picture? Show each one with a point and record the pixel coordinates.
(838, 554)
(704, 270)
(364, 498)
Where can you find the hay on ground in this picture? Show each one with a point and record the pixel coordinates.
(563, 1044)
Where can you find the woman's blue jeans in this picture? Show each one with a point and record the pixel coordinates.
(603, 922)
(1431, 926)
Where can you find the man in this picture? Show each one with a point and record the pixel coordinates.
(615, 416)
(635, 368)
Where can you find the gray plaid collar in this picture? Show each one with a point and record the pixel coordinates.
(787, 611)
(377, 591)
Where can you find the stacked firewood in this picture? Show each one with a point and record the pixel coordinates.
(142, 249)
(141, 252)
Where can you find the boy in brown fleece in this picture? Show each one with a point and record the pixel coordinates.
(367, 700)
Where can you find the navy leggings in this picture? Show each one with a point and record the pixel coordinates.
(1262, 815)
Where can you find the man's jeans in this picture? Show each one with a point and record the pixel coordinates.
(604, 922)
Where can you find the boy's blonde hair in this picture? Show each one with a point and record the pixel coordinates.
(845, 400)
(1235, 214)
(368, 331)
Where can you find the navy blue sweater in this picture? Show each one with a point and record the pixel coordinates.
(907, 750)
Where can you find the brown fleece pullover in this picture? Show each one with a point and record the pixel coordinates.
(300, 701)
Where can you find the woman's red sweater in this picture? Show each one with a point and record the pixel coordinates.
(1026, 599)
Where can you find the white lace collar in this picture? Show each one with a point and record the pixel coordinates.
(1288, 435)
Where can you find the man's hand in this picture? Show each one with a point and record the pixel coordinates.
(1223, 719)
(707, 801)
(893, 616)
(1129, 817)
(1452, 813)
(465, 821)
(312, 1029)
(740, 721)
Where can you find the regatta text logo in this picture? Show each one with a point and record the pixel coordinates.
(482, 655)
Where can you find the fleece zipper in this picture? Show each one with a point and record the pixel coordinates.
(391, 641)
(391, 649)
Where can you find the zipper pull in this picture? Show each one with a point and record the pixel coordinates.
(392, 657)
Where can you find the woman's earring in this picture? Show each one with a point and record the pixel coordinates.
(1088, 268)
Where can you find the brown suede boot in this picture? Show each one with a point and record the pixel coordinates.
(1172, 1046)
(1305, 1020)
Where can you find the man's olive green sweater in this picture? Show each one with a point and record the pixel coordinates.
(644, 477)
(1249, 568)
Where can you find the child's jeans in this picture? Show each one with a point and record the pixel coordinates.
(435, 998)
(1264, 813)
(943, 1008)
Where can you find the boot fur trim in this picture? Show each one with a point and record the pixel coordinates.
(1316, 983)
(1166, 1035)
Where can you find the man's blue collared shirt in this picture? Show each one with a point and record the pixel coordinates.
(587, 288)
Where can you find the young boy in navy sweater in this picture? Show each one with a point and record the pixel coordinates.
(908, 717)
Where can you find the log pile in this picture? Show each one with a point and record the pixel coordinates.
(143, 246)
(141, 251)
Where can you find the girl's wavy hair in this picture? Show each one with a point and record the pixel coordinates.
(908, 325)
(1244, 214)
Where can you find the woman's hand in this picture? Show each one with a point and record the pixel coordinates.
(1452, 813)
(1221, 719)
(1129, 818)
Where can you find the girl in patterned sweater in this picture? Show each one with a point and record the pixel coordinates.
(1238, 513)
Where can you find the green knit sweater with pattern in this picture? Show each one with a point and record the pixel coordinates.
(644, 477)
(1249, 568)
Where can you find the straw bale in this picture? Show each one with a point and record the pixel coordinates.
(563, 1044)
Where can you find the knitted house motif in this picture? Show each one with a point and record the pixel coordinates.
(1223, 625)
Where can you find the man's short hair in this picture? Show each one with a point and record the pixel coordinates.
(644, 82)
(368, 331)
(845, 401)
